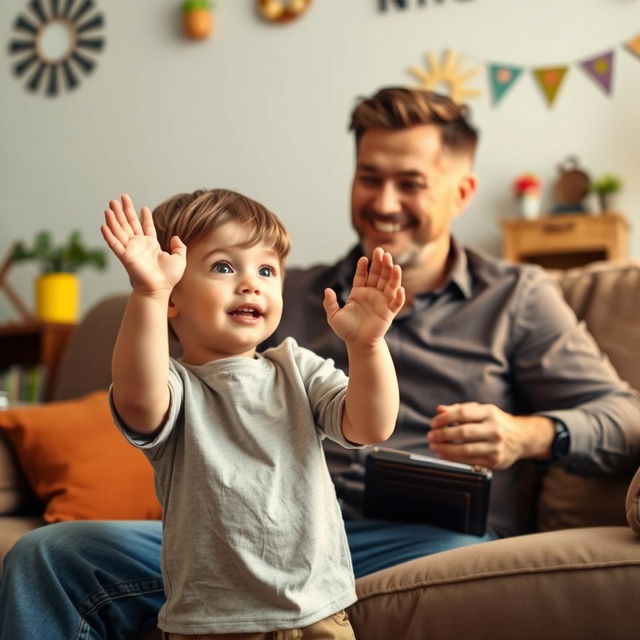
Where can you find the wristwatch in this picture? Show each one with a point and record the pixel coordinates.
(561, 440)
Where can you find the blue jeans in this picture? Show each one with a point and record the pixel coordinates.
(102, 581)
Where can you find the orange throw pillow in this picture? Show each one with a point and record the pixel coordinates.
(78, 463)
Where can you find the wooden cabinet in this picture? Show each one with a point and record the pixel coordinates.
(28, 345)
(563, 241)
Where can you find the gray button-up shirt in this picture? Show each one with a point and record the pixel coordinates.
(494, 333)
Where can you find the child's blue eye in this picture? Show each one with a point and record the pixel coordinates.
(266, 272)
(222, 267)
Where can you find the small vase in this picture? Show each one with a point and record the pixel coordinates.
(529, 203)
(57, 296)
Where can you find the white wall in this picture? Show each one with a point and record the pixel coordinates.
(263, 109)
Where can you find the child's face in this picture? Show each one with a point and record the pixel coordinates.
(229, 299)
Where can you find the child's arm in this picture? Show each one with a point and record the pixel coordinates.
(140, 364)
(373, 399)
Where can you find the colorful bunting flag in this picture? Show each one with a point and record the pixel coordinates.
(448, 74)
(600, 68)
(502, 78)
(550, 79)
(634, 45)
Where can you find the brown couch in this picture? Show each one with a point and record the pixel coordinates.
(576, 576)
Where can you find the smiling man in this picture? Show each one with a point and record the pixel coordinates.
(493, 369)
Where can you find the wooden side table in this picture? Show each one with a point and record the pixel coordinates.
(569, 240)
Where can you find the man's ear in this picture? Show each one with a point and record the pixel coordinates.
(467, 188)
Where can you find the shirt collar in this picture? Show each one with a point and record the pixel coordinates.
(458, 278)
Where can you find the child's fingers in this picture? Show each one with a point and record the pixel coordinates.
(385, 271)
(330, 303)
(114, 244)
(360, 277)
(398, 300)
(375, 268)
(131, 214)
(147, 226)
(394, 281)
(115, 227)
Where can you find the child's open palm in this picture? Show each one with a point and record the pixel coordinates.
(135, 244)
(375, 299)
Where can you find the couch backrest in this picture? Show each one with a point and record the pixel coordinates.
(606, 296)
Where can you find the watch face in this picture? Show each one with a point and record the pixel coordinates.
(561, 441)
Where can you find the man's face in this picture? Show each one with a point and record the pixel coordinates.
(406, 190)
(229, 299)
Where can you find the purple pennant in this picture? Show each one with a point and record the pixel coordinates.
(600, 69)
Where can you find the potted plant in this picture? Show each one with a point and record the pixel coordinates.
(57, 287)
(605, 187)
(197, 18)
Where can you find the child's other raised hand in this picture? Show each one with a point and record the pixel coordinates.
(375, 299)
(135, 244)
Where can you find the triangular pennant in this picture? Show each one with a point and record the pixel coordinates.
(600, 69)
(502, 78)
(550, 79)
(634, 45)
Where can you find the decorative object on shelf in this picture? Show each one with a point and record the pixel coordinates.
(197, 19)
(58, 40)
(57, 289)
(448, 73)
(571, 187)
(282, 10)
(527, 190)
(605, 187)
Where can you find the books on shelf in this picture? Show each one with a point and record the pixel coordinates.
(23, 384)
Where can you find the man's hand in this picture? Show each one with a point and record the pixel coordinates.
(135, 244)
(375, 299)
(485, 435)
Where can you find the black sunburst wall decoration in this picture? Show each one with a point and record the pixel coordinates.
(82, 26)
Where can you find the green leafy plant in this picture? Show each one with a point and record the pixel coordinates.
(67, 257)
(608, 183)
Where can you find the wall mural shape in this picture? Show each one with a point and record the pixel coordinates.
(55, 43)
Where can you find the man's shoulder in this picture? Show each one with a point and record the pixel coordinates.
(490, 269)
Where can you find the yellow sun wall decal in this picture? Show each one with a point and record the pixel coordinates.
(447, 76)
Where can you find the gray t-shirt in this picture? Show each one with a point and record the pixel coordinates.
(253, 538)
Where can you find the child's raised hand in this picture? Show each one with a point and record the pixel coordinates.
(375, 299)
(135, 244)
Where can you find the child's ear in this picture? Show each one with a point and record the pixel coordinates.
(172, 310)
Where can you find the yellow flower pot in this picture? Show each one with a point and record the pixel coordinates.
(57, 296)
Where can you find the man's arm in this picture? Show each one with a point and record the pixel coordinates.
(560, 372)
(140, 364)
(372, 400)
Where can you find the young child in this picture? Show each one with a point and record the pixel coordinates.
(253, 540)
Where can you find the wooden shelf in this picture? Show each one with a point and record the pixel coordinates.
(32, 343)
(567, 240)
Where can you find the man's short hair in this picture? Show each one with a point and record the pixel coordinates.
(403, 107)
(190, 216)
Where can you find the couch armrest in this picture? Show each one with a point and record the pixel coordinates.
(580, 583)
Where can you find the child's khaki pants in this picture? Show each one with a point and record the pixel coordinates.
(335, 627)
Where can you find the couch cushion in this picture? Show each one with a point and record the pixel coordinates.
(579, 583)
(78, 463)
